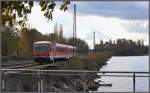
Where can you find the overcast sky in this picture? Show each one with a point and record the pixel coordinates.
(111, 19)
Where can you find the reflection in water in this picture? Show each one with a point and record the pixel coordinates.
(125, 84)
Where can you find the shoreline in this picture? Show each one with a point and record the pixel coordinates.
(60, 83)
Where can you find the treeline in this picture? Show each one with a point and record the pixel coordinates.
(123, 47)
(19, 43)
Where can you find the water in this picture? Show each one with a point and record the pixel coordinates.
(125, 84)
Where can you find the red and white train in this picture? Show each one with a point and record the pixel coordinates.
(48, 51)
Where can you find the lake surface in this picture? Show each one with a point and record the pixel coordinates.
(125, 84)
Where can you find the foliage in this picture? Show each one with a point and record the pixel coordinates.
(20, 42)
(96, 60)
(17, 11)
(48, 7)
(91, 62)
(5, 58)
(75, 63)
(9, 41)
(11, 10)
(81, 45)
(123, 47)
(23, 43)
(57, 36)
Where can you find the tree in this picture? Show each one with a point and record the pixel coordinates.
(56, 33)
(97, 46)
(114, 42)
(12, 9)
(9, 38)
(81, 45)
(101, 44)
(24, 45)
(35, 35)
(110, 41)
(139, 43)
(60, 33)
(142, 42)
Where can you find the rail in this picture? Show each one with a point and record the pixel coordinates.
(79, 72)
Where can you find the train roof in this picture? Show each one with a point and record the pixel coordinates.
(57, 44)
(38, 42)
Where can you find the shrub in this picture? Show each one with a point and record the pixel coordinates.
(91, 62)
(5, 58)
(95, 60)
(75, 63)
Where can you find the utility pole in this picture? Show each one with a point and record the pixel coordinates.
(75, 33)
(93, 42)
(74, 28)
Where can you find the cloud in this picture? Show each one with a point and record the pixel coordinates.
(131, 10)
(136, 25)
(115, 26)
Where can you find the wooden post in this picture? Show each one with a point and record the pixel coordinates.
(3, 81)
(84, 82)
(39, 84)
(133, 82)
(40, 81)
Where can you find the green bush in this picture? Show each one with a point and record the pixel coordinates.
(91, 62)
(75, 63)
(5, 58)
(95, 60)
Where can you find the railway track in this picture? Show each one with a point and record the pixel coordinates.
(25, 65)
(18, 64)
(12, 63)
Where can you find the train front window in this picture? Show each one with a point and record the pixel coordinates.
(40, 48)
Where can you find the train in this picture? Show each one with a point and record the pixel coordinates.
(45, 51)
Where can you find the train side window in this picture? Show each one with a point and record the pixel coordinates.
(62, 49)
(57, 49)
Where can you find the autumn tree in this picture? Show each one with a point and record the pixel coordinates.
(11, 10)
(81, 45)
(24, 45)
(60, 33)
(15, 13)
(9, 41)
(101, 44)
(56, 33)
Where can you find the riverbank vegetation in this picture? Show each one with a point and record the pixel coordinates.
(123, 47)
(62, 83)
(17, 44)
(91, 62)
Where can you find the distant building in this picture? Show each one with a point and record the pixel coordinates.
(107, 45)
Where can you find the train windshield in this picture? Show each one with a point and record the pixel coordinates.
(41, 48)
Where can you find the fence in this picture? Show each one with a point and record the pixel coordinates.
(82, 73)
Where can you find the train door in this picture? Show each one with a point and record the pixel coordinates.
(53, 53)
